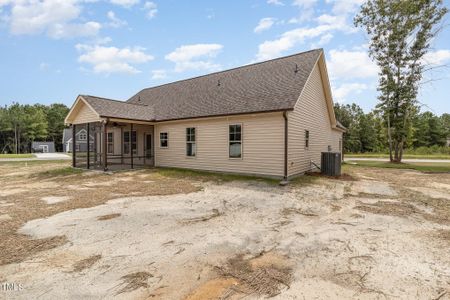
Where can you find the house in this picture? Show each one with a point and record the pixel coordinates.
(43, 147)
(81, 137)
(272, 118)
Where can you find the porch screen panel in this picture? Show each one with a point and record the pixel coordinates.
(80, 145)
(95, 153)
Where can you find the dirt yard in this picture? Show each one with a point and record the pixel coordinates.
(151, 234)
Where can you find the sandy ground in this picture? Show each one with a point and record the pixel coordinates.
(383, 235)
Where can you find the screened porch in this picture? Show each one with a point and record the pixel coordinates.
(112, 145)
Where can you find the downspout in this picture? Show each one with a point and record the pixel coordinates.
(285, 178)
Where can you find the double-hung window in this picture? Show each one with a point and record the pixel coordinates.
(163, 139)
(235, 141)
(134, 142)
(110, 143)
(129, 142)
(190, 142)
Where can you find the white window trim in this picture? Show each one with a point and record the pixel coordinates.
(186, 142)
(166, 132)
(242, 141)
(82, 136)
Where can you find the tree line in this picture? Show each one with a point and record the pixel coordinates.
(20, 125)
(368, 132)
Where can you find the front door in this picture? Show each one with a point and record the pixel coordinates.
(148, 149)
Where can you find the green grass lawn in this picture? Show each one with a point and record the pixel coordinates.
(205, 175)
(382, 155)
(27, 155)
(423, 167)
(60, 172)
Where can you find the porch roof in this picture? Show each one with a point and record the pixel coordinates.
(110, 108)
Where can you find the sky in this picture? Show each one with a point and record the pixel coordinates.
(53, 50)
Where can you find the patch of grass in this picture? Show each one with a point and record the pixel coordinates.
(108, 217)
(20, 246)
(422, 166)
(60, 172)
(383, 155)
(134, 281)
(86, 263)
(304, 179)
(212, 176)
(25, 155)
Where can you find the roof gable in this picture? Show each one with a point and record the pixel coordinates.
(80, 112)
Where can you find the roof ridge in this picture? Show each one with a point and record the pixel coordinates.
(120, 101)
(218, 72)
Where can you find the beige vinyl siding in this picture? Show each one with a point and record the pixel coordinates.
(83, 114)
(310, 113)
(262, 144)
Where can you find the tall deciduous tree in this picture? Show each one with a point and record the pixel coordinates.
(400, 33)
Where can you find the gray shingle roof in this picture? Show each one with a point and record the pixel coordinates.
(273, 85)
(119, 109)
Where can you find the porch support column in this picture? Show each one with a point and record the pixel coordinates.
(74, 160)
(95, 144)
(121, 145)
(88, 145)
(131, 144)
(105, 145)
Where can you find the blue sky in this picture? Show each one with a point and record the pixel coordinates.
(53, 50)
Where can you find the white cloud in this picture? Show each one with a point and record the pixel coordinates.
(304, 3)
(151, 9)
(324, 39)
(56, 18)
(436, 58)
(275, 2)
(43, 66)
(115, 22)
(125, 3)
(58, 31)
(264, 24)
(195, 57)
(306, 10)
(111, 59)
(343, 7)
(351, 64)
(339, 22)
(341, 93)
(159, 74)
(289, 39)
